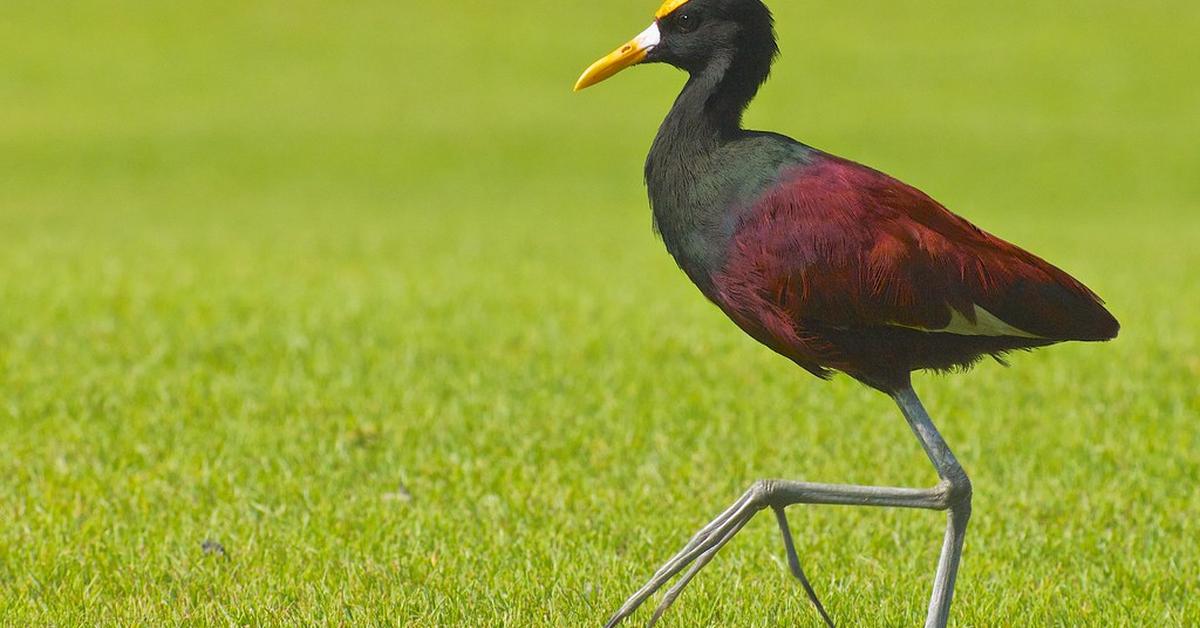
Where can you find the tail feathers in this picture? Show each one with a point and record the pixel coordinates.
(1056, 311)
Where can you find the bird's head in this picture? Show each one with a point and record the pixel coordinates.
(692, 35)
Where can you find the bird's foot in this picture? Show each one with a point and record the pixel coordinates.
(703, 547)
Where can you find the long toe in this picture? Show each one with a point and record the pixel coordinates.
(702, 546)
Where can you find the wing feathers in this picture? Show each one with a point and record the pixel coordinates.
(846, 246)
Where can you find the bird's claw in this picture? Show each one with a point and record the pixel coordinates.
(701, 549)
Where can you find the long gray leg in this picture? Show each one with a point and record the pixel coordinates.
(789, 547)
(953, 493)
(958, 504)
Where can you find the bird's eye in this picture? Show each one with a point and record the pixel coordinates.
(686, 23)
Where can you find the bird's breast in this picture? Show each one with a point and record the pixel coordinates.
(694, 228)
(700, 193)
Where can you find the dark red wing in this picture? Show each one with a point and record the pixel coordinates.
(845, 246)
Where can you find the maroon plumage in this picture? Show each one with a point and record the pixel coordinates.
(839, 266)
(832, 264)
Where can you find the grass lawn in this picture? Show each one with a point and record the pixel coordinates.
(363, 293)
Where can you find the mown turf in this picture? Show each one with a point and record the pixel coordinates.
(365, 295)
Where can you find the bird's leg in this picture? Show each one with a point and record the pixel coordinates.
(775, 494)
(958, 503)
(789, 547)
(952, 493)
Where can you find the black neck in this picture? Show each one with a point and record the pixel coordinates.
(706, 115)
(709, 110)
(733, 83)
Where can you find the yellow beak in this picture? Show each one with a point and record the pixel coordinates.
(632, 53)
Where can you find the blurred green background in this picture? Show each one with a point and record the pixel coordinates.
(363, 293)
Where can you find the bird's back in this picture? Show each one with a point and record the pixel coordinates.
(838, 266)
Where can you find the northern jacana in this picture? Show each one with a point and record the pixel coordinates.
(834, 265)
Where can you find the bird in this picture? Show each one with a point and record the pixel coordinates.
(836, 266)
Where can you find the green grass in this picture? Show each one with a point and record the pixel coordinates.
(366, 295)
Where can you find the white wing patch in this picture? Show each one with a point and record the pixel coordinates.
(986, 324)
